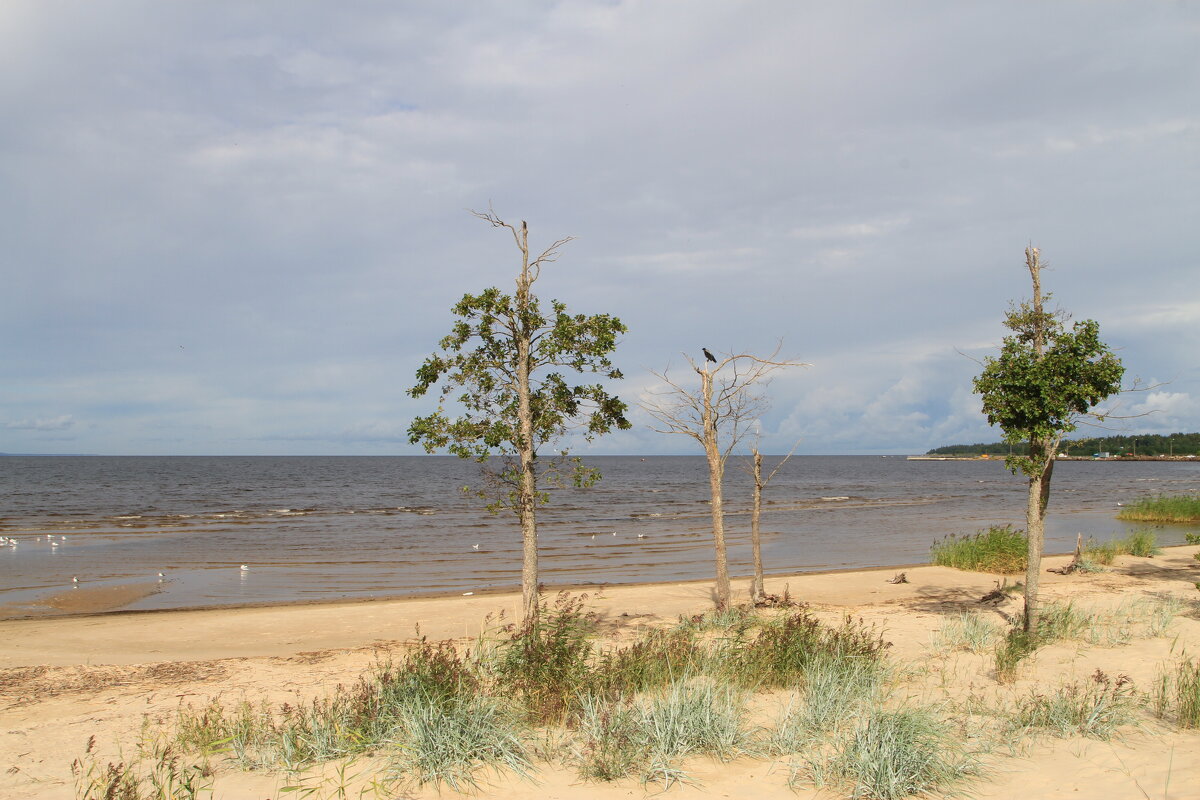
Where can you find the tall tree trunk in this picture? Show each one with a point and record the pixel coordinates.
(716, 469)
(757, 591)
(1042, 454)
(1035, 529)
(527, 483)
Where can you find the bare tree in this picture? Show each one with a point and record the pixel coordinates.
(758, 593)
(717, 414)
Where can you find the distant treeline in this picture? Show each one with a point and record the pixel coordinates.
(1146, 444)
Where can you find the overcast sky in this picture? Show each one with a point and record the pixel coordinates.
(238, 228)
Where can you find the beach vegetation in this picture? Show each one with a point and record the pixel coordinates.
(1095, 709)
(503, 364)
(1142, 543)
(718, 414)
(447, 743)
(556, 688)
(1000, 549)
(546, 660)
(893, 753)
(1163, 508)
(1176, 694)
(157, 771)
(968, 631)
(1044, 381)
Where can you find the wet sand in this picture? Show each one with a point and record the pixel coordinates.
(65, 679)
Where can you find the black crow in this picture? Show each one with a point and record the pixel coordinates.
(709, 355)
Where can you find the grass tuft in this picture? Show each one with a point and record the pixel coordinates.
(1177, 693)
(894, 754)
(442, 742)
(1095, 710)
(999, 549)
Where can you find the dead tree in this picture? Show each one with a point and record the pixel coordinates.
(717, 414)
(758, 593)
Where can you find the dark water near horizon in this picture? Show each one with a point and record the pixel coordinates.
(326, 528)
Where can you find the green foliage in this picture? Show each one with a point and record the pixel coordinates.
(1037, 398)
(546, 660)
(1142, 444)
(501, 341)
(1017, 644)
(999, 549)
(784, 649)
(1163, 508)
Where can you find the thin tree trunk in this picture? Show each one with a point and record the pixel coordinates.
(715, 475)
(527, 485)
(757, 591)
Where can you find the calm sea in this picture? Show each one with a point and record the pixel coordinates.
(324, 528)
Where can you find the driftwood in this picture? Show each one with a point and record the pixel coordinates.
(998, 595)
(1076, 562)
(899, 577)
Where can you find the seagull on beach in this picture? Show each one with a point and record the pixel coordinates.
(474, 547)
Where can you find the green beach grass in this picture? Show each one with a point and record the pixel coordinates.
(999, 549)
(1163, 508)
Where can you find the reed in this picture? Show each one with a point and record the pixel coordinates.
(999, 549)
(1163, 508)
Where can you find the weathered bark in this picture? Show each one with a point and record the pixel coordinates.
(527, 486)
(716, 474)
(758, 592)
(1042, 454)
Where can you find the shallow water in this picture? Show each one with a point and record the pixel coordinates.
(324, 528)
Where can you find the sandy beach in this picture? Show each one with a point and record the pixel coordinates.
(66, 679)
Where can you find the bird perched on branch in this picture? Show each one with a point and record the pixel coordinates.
(709, 355)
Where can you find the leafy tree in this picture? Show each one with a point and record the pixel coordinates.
(1045, 379)
(503, 363)
(717, 414)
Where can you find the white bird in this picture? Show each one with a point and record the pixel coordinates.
(474, 547)
(641, 536)
(75, 579)
(244, 568)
